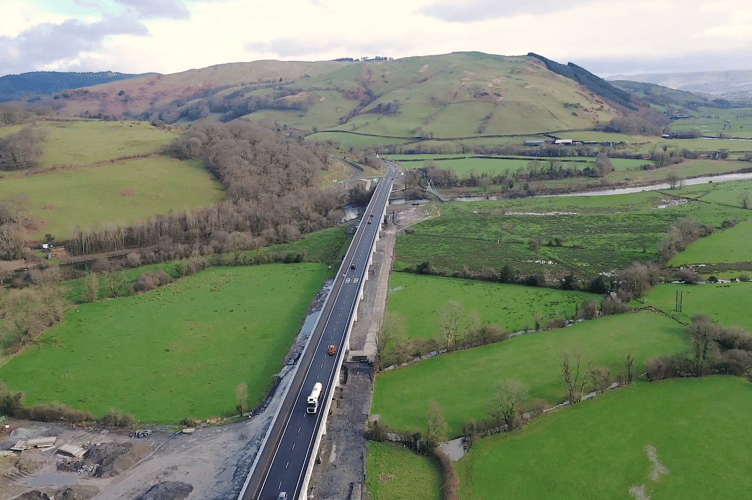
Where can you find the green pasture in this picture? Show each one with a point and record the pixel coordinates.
(698, 429)
(685, 169)
(727, 193)
(728, 246)
(83, 142)
(726, 303)
(176, 352)
(462, 382)
(118, 193)
(718, 123)
(396, 473)
(419, 299)
(598, 234)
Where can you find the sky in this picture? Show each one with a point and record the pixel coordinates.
(607, 37)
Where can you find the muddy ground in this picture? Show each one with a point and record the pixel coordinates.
(212, 462)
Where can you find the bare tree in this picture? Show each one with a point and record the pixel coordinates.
(92, 287)
(702, 333)
(504, 406)
(438, 428)
(392, 331)
(603, 165)
(571, 367)
(673, 179)
(454, 325)
(600, 378)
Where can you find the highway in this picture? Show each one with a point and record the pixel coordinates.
(283, 460)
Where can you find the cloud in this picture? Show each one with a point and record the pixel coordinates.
(48, 43)
(152, 9)
(484, 10)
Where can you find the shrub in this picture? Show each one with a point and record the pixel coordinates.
(744, 277)
(556, 323)
(151, 280)
(613, 306)
(116, 418)
(689, 276)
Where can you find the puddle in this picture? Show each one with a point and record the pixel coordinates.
(53, 480)
(226, 475)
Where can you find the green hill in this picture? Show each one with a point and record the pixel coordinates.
(461, 94)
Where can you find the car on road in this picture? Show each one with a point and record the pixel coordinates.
(332, 349)
(282, 496)
(352, 266)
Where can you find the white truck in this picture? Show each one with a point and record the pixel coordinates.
(312, 405)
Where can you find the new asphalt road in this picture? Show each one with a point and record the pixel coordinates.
(283, 460)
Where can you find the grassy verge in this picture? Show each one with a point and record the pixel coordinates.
(173, 353)
(396, 473)
(419, 299)
(698, 428)
(462, 382)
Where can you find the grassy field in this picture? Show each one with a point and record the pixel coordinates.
(698, 428)
(83, 142)
(727, 304)
(599, 234)
(727, 246)
(462, 382)
(420, 298)
(173, 353)
(396, 473)
(118, 193)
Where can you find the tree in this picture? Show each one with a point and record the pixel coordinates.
(504, 406)
(92, 287)
(744, 200)
(22, 150)
(392, 331)
(637, 279)
(673, 179)
(573, 379)
(454, 325)
(628, 369)
(702, 333)
(600, 378)
(450, 319)
(30, 311)
(603, 165)
(114, 282)
(437, 425)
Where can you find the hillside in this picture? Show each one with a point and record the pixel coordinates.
(452, 95)
(27, 85)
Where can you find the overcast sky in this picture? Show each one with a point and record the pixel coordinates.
(607, 37)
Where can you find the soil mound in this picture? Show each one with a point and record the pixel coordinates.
(168, 490)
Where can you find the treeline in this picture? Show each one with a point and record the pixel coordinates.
(588, 80)
(230, 106)
(13, 220)
(13, 113)
(273, 192)
(713, 350)
(22, 150)
(535, 170)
